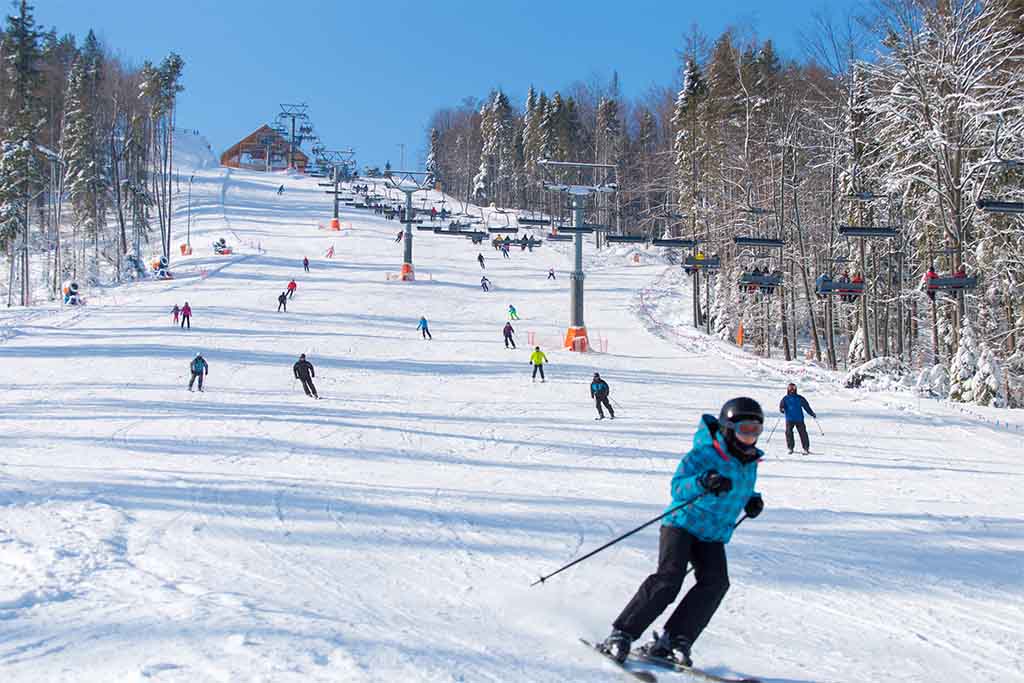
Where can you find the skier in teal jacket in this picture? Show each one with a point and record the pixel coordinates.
(717, 479)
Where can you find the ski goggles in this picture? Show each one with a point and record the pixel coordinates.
(745, 427)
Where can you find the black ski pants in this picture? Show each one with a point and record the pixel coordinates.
(280, 304)
(800, 427)
(538, 367)
(192, 381)
(509, 340)
(676, 548)
(426, 333)
(186, 320)
(305, 267)
(307, 385)
(602, 400)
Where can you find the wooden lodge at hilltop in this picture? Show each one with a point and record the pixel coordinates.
(251, 152)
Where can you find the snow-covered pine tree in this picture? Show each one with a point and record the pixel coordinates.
(989, 381)
(483, 181)
(964, 366)
(855, 354)
(21, 168)
(432, 157)
(505, 146)
(84, 147)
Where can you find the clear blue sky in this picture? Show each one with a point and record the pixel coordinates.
(372, 71)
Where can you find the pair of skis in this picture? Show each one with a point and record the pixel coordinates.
(648, 677)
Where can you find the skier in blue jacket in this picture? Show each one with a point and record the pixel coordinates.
(718, 476)
(793, 406)
(423, 327)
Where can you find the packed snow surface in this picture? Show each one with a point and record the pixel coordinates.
(390, 532)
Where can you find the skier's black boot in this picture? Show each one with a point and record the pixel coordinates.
(679, 650)
(673, 648)
(617, 645)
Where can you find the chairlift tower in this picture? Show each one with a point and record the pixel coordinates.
(408, 182)
(578, 192)
(337, 159)
(866, 232)
(295, 112)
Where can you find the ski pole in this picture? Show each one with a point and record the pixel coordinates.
(777, 420)
(617, 404)
(625, 535)
(819, 426)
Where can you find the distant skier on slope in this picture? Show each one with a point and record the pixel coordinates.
(512, 313)
(537, 360)
(485, 284)
(480, 259)
(717, 478)
(424, 328)
(304, 373)
(551, 274)
(175, 312)
(186, 316)
(305, 263)
(282, 302)
(280, 190)
(200, 369)
(508, 332)
(599, 391)
(793, 406)
(292, 286)
(401, 234)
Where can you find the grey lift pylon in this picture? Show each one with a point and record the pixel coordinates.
(408, 182)
(337, 159)
(554, 180)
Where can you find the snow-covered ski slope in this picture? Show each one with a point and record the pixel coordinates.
(390, 532)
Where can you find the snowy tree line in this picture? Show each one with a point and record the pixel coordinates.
(908, 132)
(86, 165)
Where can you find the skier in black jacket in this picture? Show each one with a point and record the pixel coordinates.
(305, 374)
(599, 391)
(282, 301)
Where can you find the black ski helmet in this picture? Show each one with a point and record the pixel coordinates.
(741, 408)
(737, 410)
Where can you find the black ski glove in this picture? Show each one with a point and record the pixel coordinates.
(715, 483)
(754, 507)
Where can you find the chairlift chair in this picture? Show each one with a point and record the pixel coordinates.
(769, 282)
(998, 206)
(625, 239)
(559, 237)
(767, 242)
(867, 231)
(954, 284)
(707, 262)
(675, 242)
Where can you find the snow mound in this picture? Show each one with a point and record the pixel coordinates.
(192, 151)
(885, 373)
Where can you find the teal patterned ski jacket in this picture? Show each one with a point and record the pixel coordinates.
(711, 518)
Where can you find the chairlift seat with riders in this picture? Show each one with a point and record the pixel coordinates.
(824, 287)
(764, 281)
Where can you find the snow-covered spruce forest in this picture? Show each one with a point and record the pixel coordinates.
(905, 119)
(86, 170)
